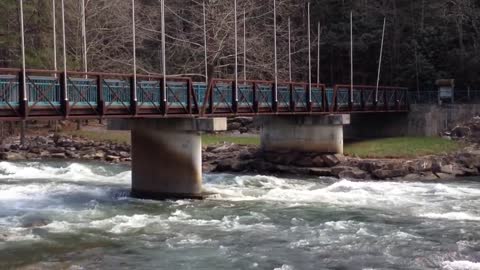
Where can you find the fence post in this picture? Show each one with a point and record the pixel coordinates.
(255, 101)
(133, 102)
(189, 95)
(309, 98)
(274, 96)
(163, 98)
(234, 97)
(64, 105)
(100, 98)
(292, 97)
(23, 102)
(324, 98)
(350, 100)
(362, 98)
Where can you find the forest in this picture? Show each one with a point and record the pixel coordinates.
(425, 40)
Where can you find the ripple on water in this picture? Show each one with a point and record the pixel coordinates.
(254, 222)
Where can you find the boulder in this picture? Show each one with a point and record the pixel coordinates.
(331, 160)
(305, 161)
(452, 170)
(461, 132)
(246, 155)
(290, 170)
(420, 165)
(368, 165)
(263, 166)
(390, 173)
(31, 156)
(99, 155)
(234, 125)
(124, 154)
(65, 142)
(340, 158)
(469, 172)
(327, 172)
(11, 156)
(337, 170)
(54, 150)
(35, 150)
(224, 165)
(444, 176)
(318, 161)
(223, 148)
(72, 154)
(469, 160)
(231, 165)
(286, 158)
(58, 155)
(44, 154)
(111, 158)
(353, 174)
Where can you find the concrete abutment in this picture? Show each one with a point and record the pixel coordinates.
(318, 134)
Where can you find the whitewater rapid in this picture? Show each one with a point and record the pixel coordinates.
(81, 213)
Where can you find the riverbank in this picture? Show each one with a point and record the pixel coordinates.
(249, 159)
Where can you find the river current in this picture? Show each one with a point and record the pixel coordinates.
(79, 216)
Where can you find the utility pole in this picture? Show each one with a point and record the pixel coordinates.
(380, 59)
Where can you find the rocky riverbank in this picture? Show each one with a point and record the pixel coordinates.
(250, 159)
(242, 159)
(57, 147)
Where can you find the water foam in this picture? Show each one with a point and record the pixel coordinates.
(461, 265)
(408, 197)
(452, 216)
(75, 172)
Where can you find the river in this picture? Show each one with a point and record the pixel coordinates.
(79, 216)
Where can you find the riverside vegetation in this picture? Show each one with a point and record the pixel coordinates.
(455, 155)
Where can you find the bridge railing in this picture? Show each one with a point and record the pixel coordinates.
(257, 96)
(56, 95)
(51, 94)
(365, 98)
(432, 97)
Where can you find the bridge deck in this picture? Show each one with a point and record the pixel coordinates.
(110, 95)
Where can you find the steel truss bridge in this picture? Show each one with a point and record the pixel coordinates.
(55, 95)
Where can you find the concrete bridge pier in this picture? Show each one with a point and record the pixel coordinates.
(320, 134)
(167, 156)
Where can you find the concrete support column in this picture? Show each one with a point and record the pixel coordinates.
(166, 164)
(320, 134)
(167, 156)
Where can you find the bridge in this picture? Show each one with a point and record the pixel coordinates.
(45, 94)
(167, 114)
